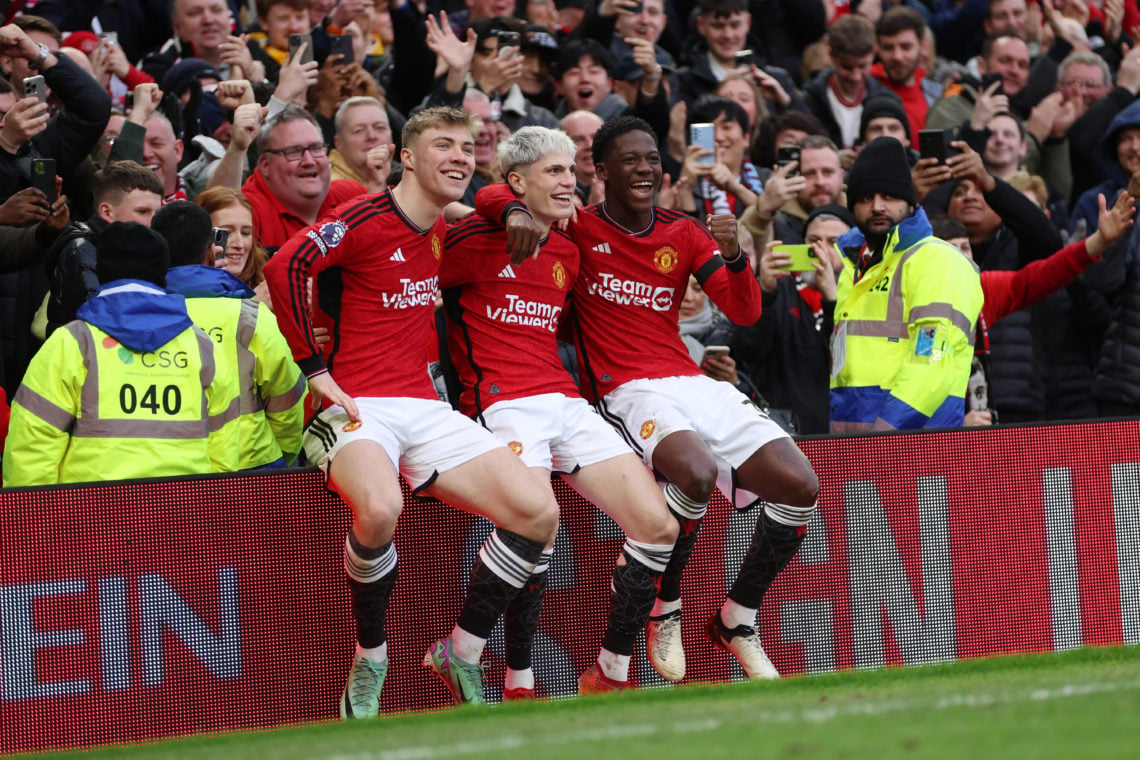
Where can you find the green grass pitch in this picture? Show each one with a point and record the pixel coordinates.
(1081, 705)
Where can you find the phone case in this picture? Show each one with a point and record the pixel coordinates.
(704, 135)
(803, 257)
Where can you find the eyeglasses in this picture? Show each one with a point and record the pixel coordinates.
(294, 152)
(1088, 84)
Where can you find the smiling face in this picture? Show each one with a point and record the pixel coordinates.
(202, 23)
(1009, 57)
(632, 172)
(1005, 148)
(585, 85)
(297, 184)
(239, 221)
(730, 143)
(725, 35)
(546, 187)
(968, 206)
(487, 141)
(162, 151)
(582, 126)
(742, 92)
(441, 160)
(1128, 149)
(647, 24)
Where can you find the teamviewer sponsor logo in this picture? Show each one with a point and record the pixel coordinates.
(520, 311)
(631, 292)
(414, 293)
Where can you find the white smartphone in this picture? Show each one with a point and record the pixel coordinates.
(704, 135)
(712, 352)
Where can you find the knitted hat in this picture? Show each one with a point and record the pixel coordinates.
(830, 209)
(881, 167)
(883, 104)
(130, 250)
(82, 40)
(178, 78)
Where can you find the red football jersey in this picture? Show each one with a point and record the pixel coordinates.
(629, 290)
(502, 319)
(381, 275)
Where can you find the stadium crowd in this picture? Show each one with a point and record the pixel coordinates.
(857, 214)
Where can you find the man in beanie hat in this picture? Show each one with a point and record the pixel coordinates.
(787, 352)
(883, 116)
(132, 375)
(906, 307)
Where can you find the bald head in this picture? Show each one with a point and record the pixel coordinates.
(581, 126)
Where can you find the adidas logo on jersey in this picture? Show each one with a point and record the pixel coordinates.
(398, 255)
(602, 248)
(508, 273)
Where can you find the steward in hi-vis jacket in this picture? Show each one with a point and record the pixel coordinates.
(131, 389)
(906, 308)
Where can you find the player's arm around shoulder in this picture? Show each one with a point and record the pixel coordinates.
(44, 410)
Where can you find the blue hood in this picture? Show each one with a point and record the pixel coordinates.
(142, 320)
(1106, 148)
(910, 230)
(199, 280)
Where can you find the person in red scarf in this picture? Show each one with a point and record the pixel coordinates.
(899, 33)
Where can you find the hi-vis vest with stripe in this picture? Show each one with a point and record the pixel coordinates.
(271, 387)
(90, 409)
(904, 333)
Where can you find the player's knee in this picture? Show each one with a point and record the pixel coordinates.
(538, 518)
(377, 514)
(697, 480)
(666, 530)
(806, 492)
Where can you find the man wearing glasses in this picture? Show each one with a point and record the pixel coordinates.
(291, 186)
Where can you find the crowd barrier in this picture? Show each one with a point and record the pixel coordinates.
(132, 611)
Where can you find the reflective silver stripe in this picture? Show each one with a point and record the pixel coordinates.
(874, 328)
(247, 326)
(851, 427)
(285, 401)
(229, 414)
(157, 429)
(943, 311)
(896, 307)
(51, 413)
(206, 354)
(89, 395)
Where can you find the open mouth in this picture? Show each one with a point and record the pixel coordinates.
(563, 199)
(456, 175)
(585, 93)
(642, 188)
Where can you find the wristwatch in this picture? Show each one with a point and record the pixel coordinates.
(44, 52)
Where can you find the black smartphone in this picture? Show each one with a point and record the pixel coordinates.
(935, 143)
(221, 239)
(743, 57)
(342, 44)
(295, 41)
(43, 177)
(35, 87)
(508, 41)
(989, 79)
(636, 8)
(788, 154)
(129, 101)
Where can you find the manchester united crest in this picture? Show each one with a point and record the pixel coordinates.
(665, 259)
(435, 246)
(352, 426)
(647, 429)
(516, 447)
(559, 275)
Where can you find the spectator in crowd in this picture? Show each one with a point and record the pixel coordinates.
(243, 256)
(109, 63)
(900, 362)
(124, 192)
(277, 19)
(581, 126)
(899, 34)
(162, 151)
(730, 183)
(79, 400)
(1086, 133)
(794, 190)
(270, 384)
(883, 116)
(787, 352)
(292, 184)
(363, 136)
(200, 30)
(837, 93)
(486, 144)
(1118, 157)
(781, 131)
(499, 76)
(722, 32)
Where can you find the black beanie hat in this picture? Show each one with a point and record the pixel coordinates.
(881, 167)
(883, 104)
(830, 209)
(130, 250)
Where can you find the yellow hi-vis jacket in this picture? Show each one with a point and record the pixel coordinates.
(91, 408)
(904, 332)
(271, 385)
